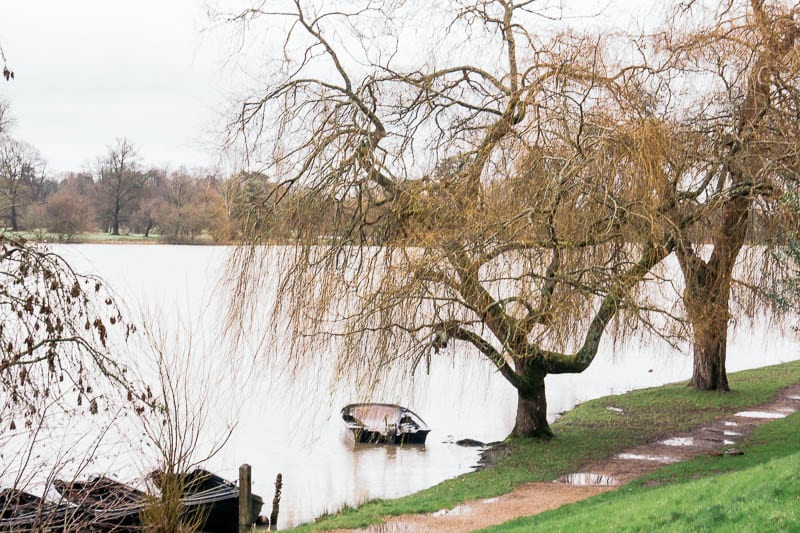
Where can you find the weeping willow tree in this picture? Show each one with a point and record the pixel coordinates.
(738, 115)
(509, 195)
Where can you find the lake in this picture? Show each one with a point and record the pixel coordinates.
(289, 422)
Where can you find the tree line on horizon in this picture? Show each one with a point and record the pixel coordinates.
(122, 195)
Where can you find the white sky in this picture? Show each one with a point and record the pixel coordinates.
(90, 71)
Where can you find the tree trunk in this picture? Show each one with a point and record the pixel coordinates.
(532, 410)
(708, 290)
(710, 346)
(706, 298)
(14, 223)
(116, 216)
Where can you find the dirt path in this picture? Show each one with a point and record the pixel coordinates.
(596, 476)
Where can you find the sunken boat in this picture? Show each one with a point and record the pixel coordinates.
(384, 423)
(208, 500)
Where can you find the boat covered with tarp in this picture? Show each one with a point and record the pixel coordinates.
(384, 423)
(22, 511)
(112, 506)
(207, 502)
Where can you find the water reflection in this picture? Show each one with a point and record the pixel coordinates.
(458, 510)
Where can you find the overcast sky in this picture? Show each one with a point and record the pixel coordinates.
(89, 71)
(152, 71)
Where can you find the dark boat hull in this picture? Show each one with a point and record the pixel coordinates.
(212, 502)
(366, 436)
(219, 515)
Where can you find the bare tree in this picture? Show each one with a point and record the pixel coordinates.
(6, 120)
(741, 152)
(21, 176)
(508, 200)
(176, 432)
(120, 183)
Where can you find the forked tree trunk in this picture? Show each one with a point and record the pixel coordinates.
(707, 296)
(532, 410)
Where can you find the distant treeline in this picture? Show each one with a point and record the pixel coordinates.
(122, 196)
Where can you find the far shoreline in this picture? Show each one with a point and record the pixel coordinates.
(107, 238)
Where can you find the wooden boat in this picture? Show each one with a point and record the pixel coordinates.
(21, 511)
(111, 505)
(384, 423)
(102, 504)
(211, 501)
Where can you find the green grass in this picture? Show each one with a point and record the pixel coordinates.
(590, 431)
(757, 491)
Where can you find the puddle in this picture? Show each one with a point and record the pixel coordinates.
(458, 510)
(490, 500)
(727, 442)
(587, 479)
(731, 433)
(787, 410)
(392, 527)
(679, 441)
(653, 458)
(731, 424)
(760, 414)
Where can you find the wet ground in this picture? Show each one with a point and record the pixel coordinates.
(714, 438)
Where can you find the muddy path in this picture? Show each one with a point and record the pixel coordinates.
(598, 476)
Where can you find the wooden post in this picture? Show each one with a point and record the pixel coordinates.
(276, 503)
(245, 500)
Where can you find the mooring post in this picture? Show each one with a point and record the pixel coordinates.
(245, 500)
(276, 503)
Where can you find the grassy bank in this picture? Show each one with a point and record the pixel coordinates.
(590, 431)
(757, 491)
(107, 238)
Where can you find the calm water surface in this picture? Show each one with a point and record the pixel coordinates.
(288, 422)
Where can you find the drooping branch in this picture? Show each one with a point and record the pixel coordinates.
(456, 332)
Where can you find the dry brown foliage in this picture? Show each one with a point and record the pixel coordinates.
(513, 192)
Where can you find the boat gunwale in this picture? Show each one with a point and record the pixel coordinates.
(400, 408)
